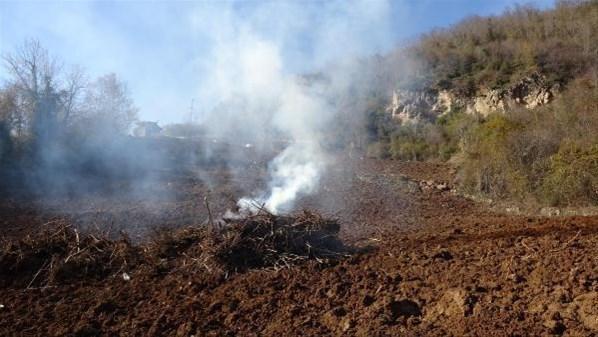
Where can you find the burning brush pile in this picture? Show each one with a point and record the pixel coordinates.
(267, 240)
(61, 255)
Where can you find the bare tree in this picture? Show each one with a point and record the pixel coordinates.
(74, 86)
(29, 65)
(46, 95)
(108, 104)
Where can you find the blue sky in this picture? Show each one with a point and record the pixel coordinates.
(165, 50)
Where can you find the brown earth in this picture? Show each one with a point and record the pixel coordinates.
(426, 263)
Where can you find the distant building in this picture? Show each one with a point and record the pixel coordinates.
(147, 129)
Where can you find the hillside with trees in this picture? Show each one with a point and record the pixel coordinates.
(491, 52)
(547, 154)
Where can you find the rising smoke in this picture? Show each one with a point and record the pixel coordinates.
(250, 78)
(269, 74)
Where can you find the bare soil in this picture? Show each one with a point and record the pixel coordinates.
(423, 262)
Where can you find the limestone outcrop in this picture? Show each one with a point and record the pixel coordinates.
(413, 106)
(410, 106)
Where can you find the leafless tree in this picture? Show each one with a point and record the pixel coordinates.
(46, 96)
(108, 104)
(74, 86)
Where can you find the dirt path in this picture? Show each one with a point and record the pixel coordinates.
(438, 265)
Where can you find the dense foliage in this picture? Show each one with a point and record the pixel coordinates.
(545, 155)
(550, 153)
(495, 51)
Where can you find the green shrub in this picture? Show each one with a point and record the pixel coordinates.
(487, 164)
(431, 141)
(454, 126)
(572, 176)
(378, 150)
(410, 149)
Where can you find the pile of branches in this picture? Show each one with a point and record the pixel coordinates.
(241, 243)
(58, 254)
(268, 240)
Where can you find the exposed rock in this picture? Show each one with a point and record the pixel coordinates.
(514, 209)
(442, 187)
(489, 102)
(550, 211)
(413, 106)
(409, 106)
(530, 92)
(445, 102)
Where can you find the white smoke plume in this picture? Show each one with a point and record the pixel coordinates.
(261, 100)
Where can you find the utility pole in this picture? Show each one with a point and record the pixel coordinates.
(191, 111)
(190, 126)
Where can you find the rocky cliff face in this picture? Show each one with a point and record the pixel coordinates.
(415, 106)
(410, 106)
(530, 92)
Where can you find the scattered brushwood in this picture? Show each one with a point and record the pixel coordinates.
(59, 254)
(268, 240)
(182, 250)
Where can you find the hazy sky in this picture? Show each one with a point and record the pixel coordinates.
(164, 49)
